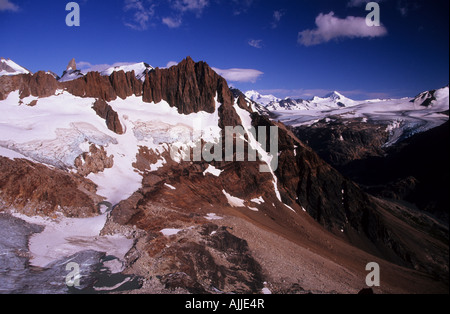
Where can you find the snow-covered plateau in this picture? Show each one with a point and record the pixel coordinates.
(404, 117)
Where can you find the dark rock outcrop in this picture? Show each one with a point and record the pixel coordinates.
(94, 161)
(92, 85)
(39, 84)
(35, 189)
(415, 170)
(189, 86)
(340, 142)
(105, 111)
(125, 84)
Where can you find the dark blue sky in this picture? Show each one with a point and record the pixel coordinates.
(287, 47)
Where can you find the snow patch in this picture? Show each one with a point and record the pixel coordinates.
(290, 208)
(253, 142)
(234, 201)
(63, 237)
(170, 186)
(258, 200)
(212, 216)
(170, 232)
(212, 170)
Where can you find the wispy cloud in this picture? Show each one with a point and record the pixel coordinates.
(172, 22)
(241, 6)
(330, 27)
(239, 75)
(6, 5)
(256, 43)
(405, 7)
(277, 15)
(182, 7)
(195, 6)
(142, 12)
(171, 64)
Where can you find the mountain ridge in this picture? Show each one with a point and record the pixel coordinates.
(332, 100)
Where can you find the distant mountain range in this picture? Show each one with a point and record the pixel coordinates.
(333, 100)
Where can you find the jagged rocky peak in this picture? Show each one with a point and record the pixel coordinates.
(190, 86)
(72, 66)
(71, 73)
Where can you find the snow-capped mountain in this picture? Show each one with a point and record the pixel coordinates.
(140, 70)
(9, 67)
(261, 99)
(432, 98)
(333, 100)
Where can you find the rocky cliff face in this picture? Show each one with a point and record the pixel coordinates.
(189, 86)
(35, 189)
(342, 141)
(39, 84)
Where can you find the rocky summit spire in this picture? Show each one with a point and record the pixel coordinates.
(72, 65)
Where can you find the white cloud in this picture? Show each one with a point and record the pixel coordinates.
(6, 5)
(277, 15)
(172, 22)
(142, 13)
(239, 75)
(256, 43)
(330, 27)
(171, 64)
(181, 7)
(195, 6)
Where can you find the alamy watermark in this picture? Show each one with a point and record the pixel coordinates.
(373, 18)
(373, 278)
(235, 148)
(73, 277)
(73, 18)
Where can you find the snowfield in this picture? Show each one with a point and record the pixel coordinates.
(63, 237)
(61, 127)
(404, 117)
